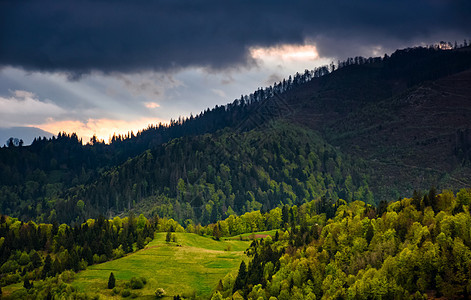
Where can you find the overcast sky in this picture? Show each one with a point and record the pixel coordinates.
(112, 66)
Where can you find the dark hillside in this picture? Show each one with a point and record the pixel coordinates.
(405, 116)
(425, 128)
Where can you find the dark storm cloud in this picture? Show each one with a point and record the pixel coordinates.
(82, 36)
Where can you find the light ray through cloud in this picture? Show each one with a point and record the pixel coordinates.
(23, 106)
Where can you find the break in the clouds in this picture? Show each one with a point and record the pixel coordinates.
(23, 106)
(131, 36)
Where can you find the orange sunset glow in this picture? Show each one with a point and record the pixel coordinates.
(103, 129)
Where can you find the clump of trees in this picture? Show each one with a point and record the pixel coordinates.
(56, 287)
(30, 251)
(309, 214)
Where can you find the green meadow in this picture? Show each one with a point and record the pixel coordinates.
(190, 267)
(252, 235)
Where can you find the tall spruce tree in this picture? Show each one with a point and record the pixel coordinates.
(111, 281)
(241, 277)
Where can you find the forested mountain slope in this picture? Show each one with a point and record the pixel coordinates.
(377, 128)
(415, 248)
(205, 178)
(407, 116)
(418, 138)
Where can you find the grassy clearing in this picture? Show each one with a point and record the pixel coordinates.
(192, 268)
(253, 235)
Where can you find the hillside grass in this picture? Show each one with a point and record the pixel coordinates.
(191, 266)
(252, 235)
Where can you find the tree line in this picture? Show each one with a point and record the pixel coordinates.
(30, 251)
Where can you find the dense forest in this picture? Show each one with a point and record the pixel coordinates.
(37, 251)
(330, 131)
(208, 177)
(415, 248)
(205, 178)
(412, 248)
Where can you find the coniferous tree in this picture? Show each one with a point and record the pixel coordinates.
(27, 284)
(111, 281)
(219, 286)
(241, 277)
(140, 241)
(217, 232)
(47, 267)
(36, 259)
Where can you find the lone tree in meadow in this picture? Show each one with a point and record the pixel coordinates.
(111, 281)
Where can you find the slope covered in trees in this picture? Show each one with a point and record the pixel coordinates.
(31, 251)
(407, 116)
(415, 248)
(206, 178)
(401, 122)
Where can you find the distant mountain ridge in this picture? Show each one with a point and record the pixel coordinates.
(27, 134)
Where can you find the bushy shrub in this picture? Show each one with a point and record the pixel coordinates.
(136, 283)
(24, 259)
(160, 292)
(9, 266)
(119, 252)
(116, 291)
(96, 258)
(67, 276)
(126, 293)
(11, 278)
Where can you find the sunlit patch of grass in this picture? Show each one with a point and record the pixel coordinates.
(193, 265)
(253, 235)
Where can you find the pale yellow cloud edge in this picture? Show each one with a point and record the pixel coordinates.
(285, 52)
